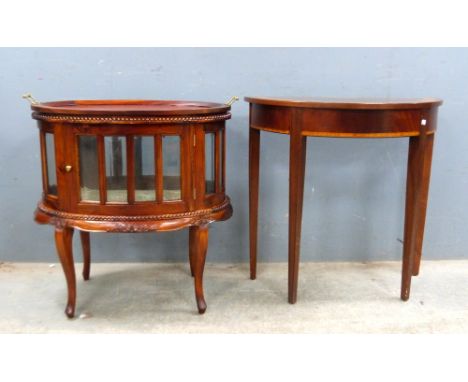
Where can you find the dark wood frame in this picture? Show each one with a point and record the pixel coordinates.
(302, 118)
(67, 120)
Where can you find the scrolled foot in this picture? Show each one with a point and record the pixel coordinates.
(70, 311)
(201, 304)
(199, 245)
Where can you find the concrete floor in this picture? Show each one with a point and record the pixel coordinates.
(159, 298)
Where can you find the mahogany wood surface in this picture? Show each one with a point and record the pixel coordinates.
(85, 244)
(347, 103)
(63, 242)
(195, 208)
(352, 118)
(130, 107)
(254, 176)
(198, 249)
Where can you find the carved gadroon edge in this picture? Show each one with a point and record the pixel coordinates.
(113, 218)
(128, 119)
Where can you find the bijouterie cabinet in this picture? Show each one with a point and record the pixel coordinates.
(131, 166)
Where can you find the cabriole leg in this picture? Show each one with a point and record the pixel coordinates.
(63, 242)
(192, 233)
(200, 246)
(86, 253)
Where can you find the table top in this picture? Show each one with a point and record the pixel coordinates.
(130, 107)
(347, 103)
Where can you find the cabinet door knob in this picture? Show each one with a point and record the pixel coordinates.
(68, 168)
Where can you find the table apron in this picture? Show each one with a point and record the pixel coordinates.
(344, 123)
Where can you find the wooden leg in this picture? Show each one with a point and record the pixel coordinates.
(192, 248)
(63, 242)
(200, 244)
(254, 173)
(297, 159)
(417, 186)
(422, 203)
(86, 253)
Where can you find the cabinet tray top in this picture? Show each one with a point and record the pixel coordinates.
(130, 107)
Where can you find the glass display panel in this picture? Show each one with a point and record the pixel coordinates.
(51, 168)
(221, 161)
(116, 168)
(144, 169)
(210, 141)
(171, 167)
(89, 169)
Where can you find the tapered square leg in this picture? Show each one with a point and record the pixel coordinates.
(85, 245)
(63, 242)
(199, 246)
(297, 159)
(422, 203)
(254, 174)
(417, 188)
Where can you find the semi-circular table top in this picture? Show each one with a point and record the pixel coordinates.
(347, 103)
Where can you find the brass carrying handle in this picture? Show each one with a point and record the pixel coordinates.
(232, 100)
(30, 98)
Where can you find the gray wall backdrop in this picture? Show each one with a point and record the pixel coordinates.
(354, 192)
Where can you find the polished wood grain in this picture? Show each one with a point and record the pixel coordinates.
(198, 248)
(63, 242)
(297, 159)
(422, 202)
(347, 103)
(130, 107)
(192, 248)
(254, 176)
(417, 189)
(86, 247)
(347, 123)
(300, 118)
(189, 121)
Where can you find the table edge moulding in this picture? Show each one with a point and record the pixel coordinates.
(195, 205)
(300, 118)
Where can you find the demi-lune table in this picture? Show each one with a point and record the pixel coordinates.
(344, 118)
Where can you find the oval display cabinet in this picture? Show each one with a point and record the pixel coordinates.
(131, 166)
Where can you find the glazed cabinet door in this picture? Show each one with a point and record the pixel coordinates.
(56, 159)
(132, 170)
(213, 159)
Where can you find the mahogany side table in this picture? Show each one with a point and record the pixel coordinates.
(345, 118)
(131, 166)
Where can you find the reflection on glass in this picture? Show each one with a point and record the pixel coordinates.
(171, 167)
(89, 175)
(51, 169)
(144, 169)
(116, 168)
(210, 163)
(221, 160)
